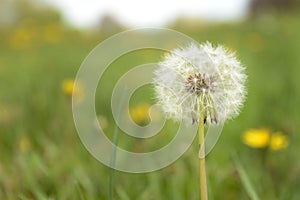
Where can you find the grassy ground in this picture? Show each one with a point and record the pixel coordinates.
(41, 156)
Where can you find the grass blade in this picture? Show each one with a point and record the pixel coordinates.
(115, 141)
(245, 178)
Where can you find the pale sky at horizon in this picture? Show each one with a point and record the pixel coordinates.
(138, 13)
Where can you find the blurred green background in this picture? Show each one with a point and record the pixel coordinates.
(41, 156)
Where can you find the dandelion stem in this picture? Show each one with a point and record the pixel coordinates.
(203, 185)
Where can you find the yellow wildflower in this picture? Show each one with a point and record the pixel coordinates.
(139, 114)
(257, 138)
(68, 88)
(278, 141)
(53, 33)
(22, 38)
(24, 144)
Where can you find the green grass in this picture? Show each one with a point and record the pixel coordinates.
(55, 164)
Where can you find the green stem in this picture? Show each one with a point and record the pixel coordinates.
(203, 185)
(114, 150)
(112, 164)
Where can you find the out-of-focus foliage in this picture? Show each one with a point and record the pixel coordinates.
(277, 5)
(14, 11)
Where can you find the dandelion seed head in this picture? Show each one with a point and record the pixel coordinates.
(200, 79)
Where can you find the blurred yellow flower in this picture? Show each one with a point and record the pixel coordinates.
(278, 141)
(257, 138)
(67, 86)
(139, 114)
(69, 89)
(53, 33)
(262, 138)
(24, 144)
(22, 38)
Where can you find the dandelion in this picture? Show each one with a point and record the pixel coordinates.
(67, 86)
(53, 33)
(70, 88)
(202, 84)
(200, 79)
(278, 141)
(139, 114)
(265, 138)
(22, 38)
(257, 138)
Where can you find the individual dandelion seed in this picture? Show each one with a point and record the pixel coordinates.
(200, 79)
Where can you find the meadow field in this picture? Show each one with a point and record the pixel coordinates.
(42, 157)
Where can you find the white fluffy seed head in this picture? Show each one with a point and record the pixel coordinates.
(200, 79)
